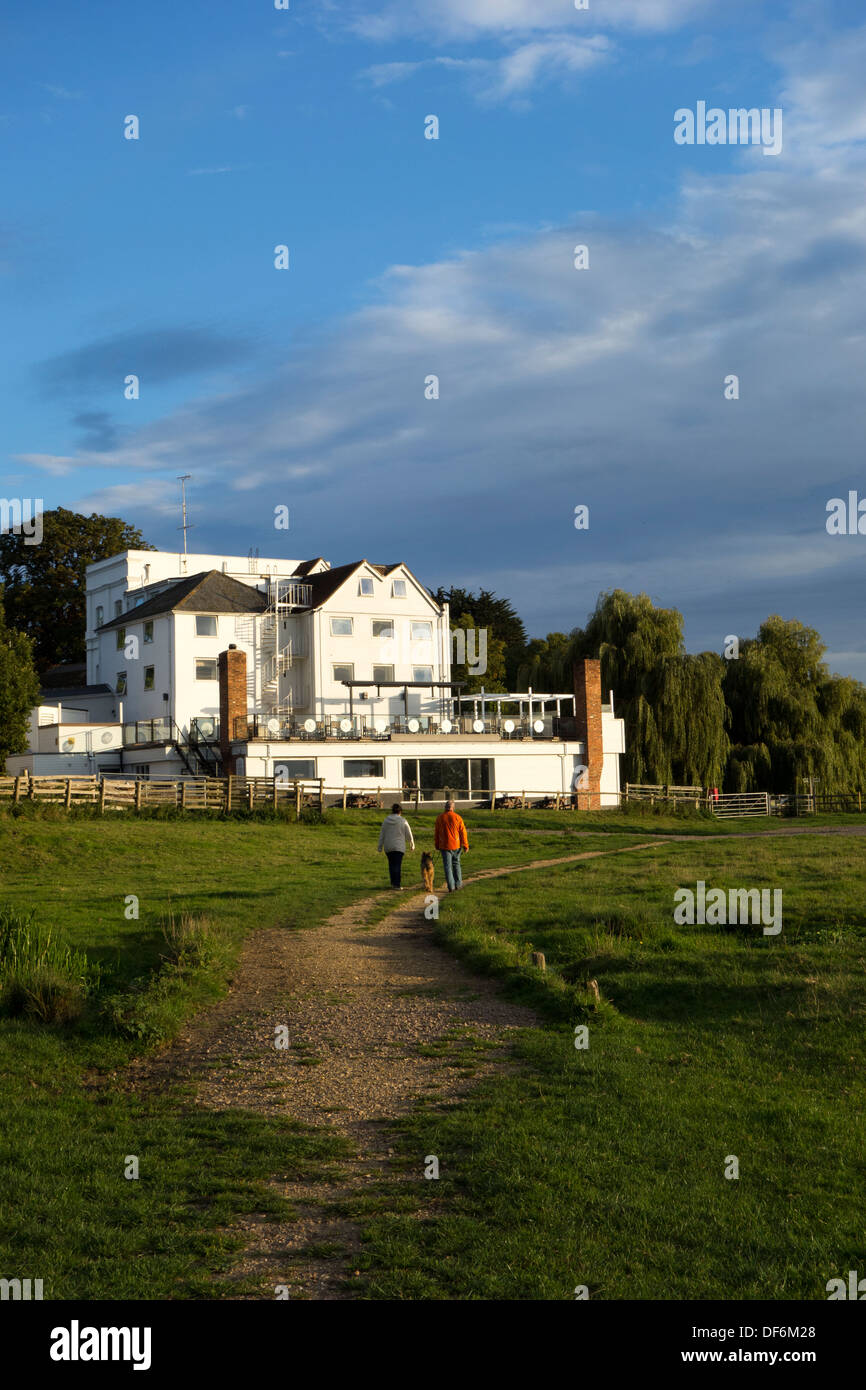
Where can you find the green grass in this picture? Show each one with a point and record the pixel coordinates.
(605, 1166)
(602, 1167)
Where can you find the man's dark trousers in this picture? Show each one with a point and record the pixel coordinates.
(395, 865)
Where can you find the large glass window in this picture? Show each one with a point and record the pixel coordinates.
(480, 774)
(341, 627)
(363, 767)
(295, 767)
(205, 626)
(439, 774)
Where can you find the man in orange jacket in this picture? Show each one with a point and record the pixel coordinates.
(451, 839)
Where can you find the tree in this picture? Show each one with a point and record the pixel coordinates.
(672, 703)
(493, 676)
(45, 584)
(790, 718)
(19, 688)
(546, 664)
(497, 615)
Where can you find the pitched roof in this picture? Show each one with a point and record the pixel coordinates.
(306, 565)
(324, 585)
(209, 592)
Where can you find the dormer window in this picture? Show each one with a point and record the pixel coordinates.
(398, 588)
(365, 588)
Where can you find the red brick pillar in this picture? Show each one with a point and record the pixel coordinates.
(232, 668)
(587, 713)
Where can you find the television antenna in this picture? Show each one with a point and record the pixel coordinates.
(187, 526)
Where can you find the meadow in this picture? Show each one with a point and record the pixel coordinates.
(601, 1167)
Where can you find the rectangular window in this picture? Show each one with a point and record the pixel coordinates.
(295, 767)
(120, 638)
(99, 615)
(409, 773)
(422, 632)
(341, 627)
(441, 774)
(120, 687)
(365, 588)
(383, 628)
(118, 607)
(149, 681)
(344, 672)
(398, 588)
(481, 774)
(422, 673)
(148, 632)
(383, 673)
(205, 627)
(363, 767)
(205, 668)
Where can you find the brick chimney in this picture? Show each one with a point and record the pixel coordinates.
(587, 714)
(232, 668)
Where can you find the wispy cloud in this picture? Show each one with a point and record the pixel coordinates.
(512, 75)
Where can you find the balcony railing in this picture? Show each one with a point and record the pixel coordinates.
(282, 728)
(144, 731)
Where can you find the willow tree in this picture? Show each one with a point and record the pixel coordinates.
(672, 703)
(790, 718)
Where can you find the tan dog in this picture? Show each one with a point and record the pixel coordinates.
(427, 871)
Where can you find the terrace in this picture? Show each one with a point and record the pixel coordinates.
(280, 728)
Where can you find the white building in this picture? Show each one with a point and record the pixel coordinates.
(206, 663)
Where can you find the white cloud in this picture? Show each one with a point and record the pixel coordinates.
(58, 465)
(514, 74)
(469, 19)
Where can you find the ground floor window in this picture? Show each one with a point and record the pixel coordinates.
(463, 776)
(363, 767)
(295, 767)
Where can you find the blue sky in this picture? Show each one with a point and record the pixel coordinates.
(453, 257)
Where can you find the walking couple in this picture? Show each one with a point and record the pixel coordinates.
(450, 839)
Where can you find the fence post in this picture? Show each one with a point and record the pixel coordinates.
(31, 789)
(229, 792)
(101, 795)
(275, 791)
(523, 801)
(297, 798)
(250, 793)
(321, 794)
(344, 798)
(17, 792)
(137, 795)
(67, 800)
(378, 796)
(417, 800)
(183, 796)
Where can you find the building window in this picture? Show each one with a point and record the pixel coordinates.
(383, 628)
(365, 588)
(422, 673)
(118, 607)
(363, 767)
(345, 672)
(120, 638)
(120, 687)
(149, 681)
(382, 673)
(99, 615)
(398, 588)
(295, 767)
(148, 632)
(422, 632)
(341, 627)
(205, 668)
(206, 627)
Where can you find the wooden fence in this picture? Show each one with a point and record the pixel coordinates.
(185, 793)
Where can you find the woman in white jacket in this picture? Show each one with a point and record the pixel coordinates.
(395, 838)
